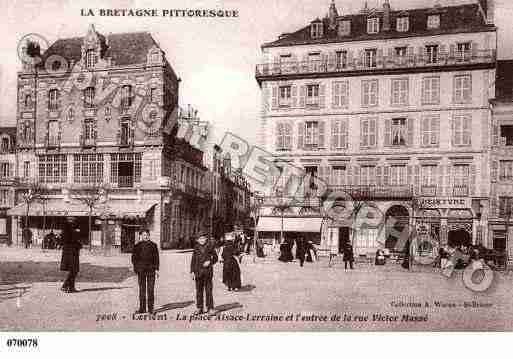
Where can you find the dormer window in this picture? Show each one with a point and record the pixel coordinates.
(403, 24)
(433, 21)
(91, 59)
(344, 28)
(373, 25)
(316, 30)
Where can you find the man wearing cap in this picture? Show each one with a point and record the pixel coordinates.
(70, 260)
(203, 259)
(145, 258)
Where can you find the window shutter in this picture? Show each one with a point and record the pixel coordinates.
(448, 183)
(356, 175)
(288, 136)
(466, 130)
(364, 132)
(386, 172)
(435, 130)
(321, 134)
(334, 135)
(388, 132)
(343, 134)
(373, 132)
(379, 61)
(331, 60)
(349, 176)
(344, 94)
(410, 132)
(453, 131)
(336, 89)
(452, 51)
(494, 171)
(294, 95)
(424, 134)
(495, 139)
(421, 53)
(474, 48)
(409, 178)
(275, 97)
(372, 175)
(361, 58)
(443, 51)
(417, 179)
(302, 96)
(300, 135)
(473, 180)
(440, 185)
(378, 175)
(322, 96)
(410, 51)
(350, 58)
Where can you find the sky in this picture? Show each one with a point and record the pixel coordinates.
(215, 58)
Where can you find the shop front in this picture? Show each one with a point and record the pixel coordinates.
(270, 229)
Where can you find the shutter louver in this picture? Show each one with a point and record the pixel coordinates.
(472, 180)
(494, 171)
(275, 97)
(336, 89)
(322, 95)
(388, 132)
(302, 96)
(495, 139)
(417, 179)
(334, 135)
(321, 134)
(294, 95)
(410, 132)
(386, 172)
(300, 135)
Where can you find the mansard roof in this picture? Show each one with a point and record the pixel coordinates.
(453, 19)
(124, 48)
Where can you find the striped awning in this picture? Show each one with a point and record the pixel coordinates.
(290, 224)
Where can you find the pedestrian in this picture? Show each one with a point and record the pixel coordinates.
(311, 252)
(70, 260)
(203, 259)
(300, 250)
(259, 244)
(348, 256)
(380, 257)
(26, 235)
(231, 264)
(145, 259)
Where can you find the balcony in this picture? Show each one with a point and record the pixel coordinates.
(428, 191)
(125, 181)
(371, 192)
(381, 63)
(460, 191)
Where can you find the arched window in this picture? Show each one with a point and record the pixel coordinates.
(91, 59)
(53, 99)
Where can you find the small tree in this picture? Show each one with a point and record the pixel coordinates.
(91, 195)
(32, 192)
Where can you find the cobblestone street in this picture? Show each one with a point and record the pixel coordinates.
(371, 297)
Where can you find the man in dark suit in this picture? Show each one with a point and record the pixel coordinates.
(70, 260)
(145, 258)
(203, 259)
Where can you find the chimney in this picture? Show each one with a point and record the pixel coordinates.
(386, 16)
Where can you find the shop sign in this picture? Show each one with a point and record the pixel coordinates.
(445, 202)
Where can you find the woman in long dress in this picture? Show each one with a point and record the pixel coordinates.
(231, 267)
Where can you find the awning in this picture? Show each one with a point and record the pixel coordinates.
(290, 224)
(112, 208)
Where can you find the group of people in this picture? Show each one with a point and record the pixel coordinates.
(304, 250)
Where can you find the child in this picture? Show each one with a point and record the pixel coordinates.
(204, 257)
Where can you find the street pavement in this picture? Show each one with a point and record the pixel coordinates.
(275, 296)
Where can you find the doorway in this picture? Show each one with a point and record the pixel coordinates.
(128, 235)
(343, 238)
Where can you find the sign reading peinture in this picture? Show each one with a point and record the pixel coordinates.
(446, 202)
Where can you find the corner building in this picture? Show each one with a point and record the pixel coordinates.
(100, 110)
(390, 106)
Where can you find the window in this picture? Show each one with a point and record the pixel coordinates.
(338, 134)
(431, 54)
(338, 175)
(283, 136)
(461, 180)
(401, 51)
(126, 96)
(53, 168)
(373, 25)
(89, 97)
(431, 90)
(344, 27)
(399, 92)
(505, 206)
(506, 170)
(285, 96)
(433, 21)
(91, 58)
(314, 61)
(153, 170)
(125, 169)
(340, 94)
(430, 131)
(5, 170)
(341, 59)
(153, 94)
(403, 24)
(398, 175)
(53, 99)
(369, 93)
(312, 94)
(398, 132)
(311, 173)
(367, 176)
(316, 30)
(125, 132)
(368, 132)
(5, 145)
(507, 135)
(28, 101)
(464, 51)
(429, 180)
(53, 133)
(370, 58)
(461, 130)
(88, 168)
(4, 201)
(26, 169)
(462, 89)
(89, 129)
(312, 133)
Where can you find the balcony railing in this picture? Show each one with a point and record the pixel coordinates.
(382, 62)
(125, 181)
(371, 192)
(428, 191)
(460, 191)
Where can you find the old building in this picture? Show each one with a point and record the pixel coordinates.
(390, 106)
(7, 180)
(96, 124)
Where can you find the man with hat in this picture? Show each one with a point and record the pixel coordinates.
(203, 259)
(145, 258)
(70, 260)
